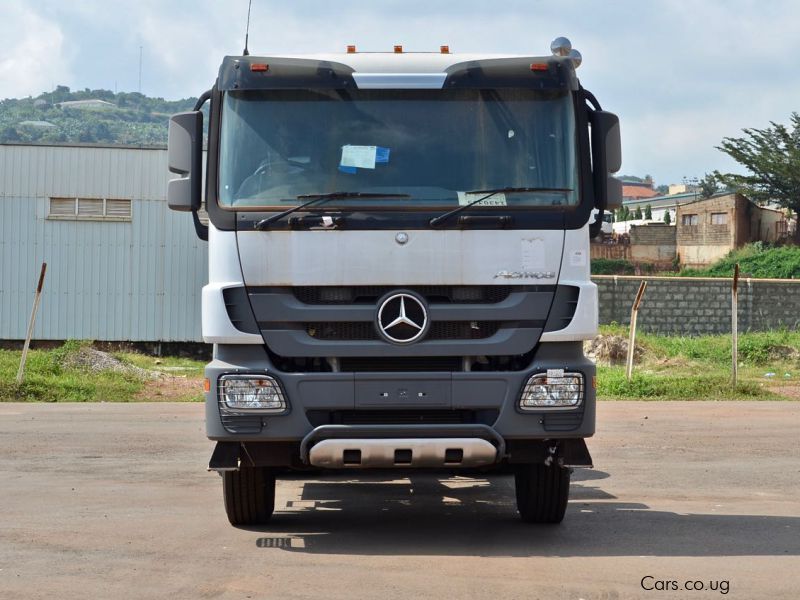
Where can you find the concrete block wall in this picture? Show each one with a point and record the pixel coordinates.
(700, 306)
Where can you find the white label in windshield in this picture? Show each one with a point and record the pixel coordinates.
(360, 157)
(496, 200)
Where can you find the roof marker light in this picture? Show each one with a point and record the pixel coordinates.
(259, 67)
(398, 49)
(351, 49)
(539, 67)
(444, 49)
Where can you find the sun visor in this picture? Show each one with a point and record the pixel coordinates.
(538, 73)
(269, 72)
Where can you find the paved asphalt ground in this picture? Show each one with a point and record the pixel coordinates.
(113, 501)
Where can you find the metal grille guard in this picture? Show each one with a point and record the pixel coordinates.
(326, 432)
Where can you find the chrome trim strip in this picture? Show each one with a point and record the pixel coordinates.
(400, 81)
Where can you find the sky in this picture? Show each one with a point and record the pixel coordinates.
(681, 74)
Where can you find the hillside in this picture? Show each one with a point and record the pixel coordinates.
(123, 118)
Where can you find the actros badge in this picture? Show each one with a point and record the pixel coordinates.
(402, 318)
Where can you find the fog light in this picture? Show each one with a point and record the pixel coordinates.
(250, 394)
(543, 390)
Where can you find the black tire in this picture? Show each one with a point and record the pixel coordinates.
(542, 492)
(249, 495)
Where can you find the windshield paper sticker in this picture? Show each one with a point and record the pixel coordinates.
(360, 157)
(496, 200)
(382, 154)
(533, 254)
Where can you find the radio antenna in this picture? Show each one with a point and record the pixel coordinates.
(246, 52)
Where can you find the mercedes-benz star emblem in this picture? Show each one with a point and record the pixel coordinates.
(402, 318)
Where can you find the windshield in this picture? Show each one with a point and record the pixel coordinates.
(433, 146)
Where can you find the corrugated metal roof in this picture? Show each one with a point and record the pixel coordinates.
(135, 280)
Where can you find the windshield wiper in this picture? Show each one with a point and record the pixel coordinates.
(321, 199)
(436, 221)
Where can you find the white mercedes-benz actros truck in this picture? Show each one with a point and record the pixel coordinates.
(398, 266)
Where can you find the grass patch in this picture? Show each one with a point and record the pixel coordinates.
(755, 260)
(650, 385)
(49, 378)
(612, 266)
(699, 368)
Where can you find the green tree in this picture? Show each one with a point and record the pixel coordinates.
(648, 212)
(638, 214)
(631, 178)
(772, 158)
(708, 185)
(667, 218)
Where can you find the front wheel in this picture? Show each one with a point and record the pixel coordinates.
(542, 492)
(249, 495)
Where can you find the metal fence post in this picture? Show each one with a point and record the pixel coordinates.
(29, 334)
(632, 337)
(735, 323)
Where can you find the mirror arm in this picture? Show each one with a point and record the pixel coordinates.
(200, 229)
(596, 227)
(204, 97)
(589, 97)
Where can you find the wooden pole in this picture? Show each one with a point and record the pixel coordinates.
(735, 324)
(36, 298)
(632, 336)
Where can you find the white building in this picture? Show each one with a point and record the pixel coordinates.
(120, 265)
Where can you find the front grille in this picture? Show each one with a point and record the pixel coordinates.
(404, 363)
(401, 417)
(370, 294)
(440, 330)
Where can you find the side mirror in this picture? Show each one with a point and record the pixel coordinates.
(185, 153)
(606, 159)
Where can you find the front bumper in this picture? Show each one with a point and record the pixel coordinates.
(493, 395)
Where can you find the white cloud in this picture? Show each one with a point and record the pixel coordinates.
(681, 74)
(33, 57)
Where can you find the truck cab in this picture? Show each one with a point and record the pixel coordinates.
(398, 266)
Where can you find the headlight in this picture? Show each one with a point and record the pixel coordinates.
(250, 394)
(564, 390)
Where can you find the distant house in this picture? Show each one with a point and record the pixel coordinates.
(652, 243)
(637, 191)
(36, 124)
(710, 228)
(87, 104)
(661, 204)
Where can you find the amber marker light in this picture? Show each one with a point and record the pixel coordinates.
(444, 49)
(398, 49)
(538, 66)
(351, 49)
(259, 67)
(206, 385)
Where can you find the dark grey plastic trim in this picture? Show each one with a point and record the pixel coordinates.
(297, 343)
